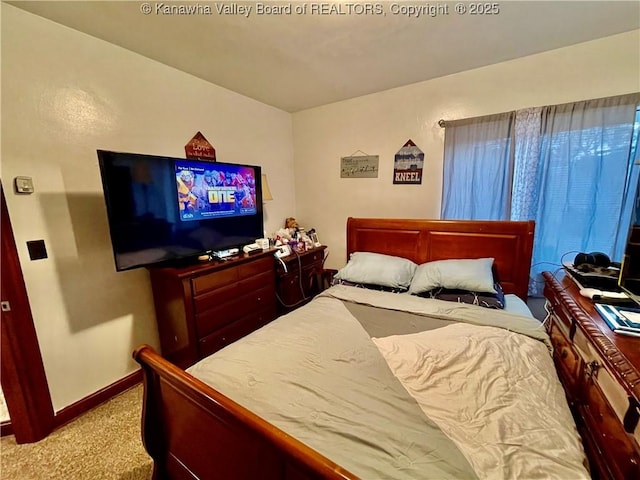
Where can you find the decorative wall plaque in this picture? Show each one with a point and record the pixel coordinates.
(365, 166)
(407, 165)
(199, 148)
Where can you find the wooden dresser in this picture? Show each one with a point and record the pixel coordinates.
(600, 371)
(202, 308)
(299, 278)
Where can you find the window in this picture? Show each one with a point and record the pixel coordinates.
(572, 170)
(478, 168)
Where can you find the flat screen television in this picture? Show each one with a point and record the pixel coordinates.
(164, 210)
(629, 279)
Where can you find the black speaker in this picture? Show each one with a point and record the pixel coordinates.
(598, 259)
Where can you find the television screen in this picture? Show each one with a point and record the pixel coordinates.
(216, 192)
(629, 279)
(163, 209)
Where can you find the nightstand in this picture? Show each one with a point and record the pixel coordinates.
(299, 278)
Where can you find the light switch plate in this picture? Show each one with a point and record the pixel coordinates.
(37, 249)
(24, 185)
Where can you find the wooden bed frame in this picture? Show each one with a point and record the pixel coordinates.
(194, 432)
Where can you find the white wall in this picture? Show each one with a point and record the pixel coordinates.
(379, 124)
(64, 95)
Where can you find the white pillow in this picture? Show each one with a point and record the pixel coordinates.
(378, 269)
(465, 274)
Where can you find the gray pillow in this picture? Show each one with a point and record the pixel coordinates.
(378, 269)
(475, 275)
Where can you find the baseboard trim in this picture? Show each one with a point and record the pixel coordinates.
(6, 429)
(74, 410)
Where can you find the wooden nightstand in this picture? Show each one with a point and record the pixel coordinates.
(600, 372)
(299, 277)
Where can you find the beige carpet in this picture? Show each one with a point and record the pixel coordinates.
(104, 443)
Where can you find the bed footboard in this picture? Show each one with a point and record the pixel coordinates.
(194, 432)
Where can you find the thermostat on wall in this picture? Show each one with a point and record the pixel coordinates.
(24, 184)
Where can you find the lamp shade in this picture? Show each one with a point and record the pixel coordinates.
(266, 192)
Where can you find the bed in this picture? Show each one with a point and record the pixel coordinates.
(372, 383)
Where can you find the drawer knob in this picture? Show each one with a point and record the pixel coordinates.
(564, 353)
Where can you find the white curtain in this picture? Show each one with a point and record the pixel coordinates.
(527, 155)
(478, 168)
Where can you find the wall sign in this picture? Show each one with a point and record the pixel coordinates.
(364, 166)
(407, 165)
(199, 148)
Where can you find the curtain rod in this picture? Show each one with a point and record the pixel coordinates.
(633, 96)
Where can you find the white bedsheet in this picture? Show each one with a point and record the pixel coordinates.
(514, 304)
(509, 415)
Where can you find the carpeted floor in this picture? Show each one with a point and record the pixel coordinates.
(104, 443)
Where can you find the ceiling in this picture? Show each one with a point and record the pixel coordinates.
(298, 61)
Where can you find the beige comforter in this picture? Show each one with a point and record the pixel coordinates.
(494, 393)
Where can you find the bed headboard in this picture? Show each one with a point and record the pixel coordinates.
(509, 243)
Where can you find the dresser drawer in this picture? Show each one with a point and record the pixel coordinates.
(257, 300)
(226, 335)
(215, 298)
(214, 280)
(313, 258)
(567, 360)
(262, 280)
(289, 291)
(233, 308)
(307, 260)
(236, 330)
(614, 393)
(254, 268)
(215, 318)
(602, 424)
